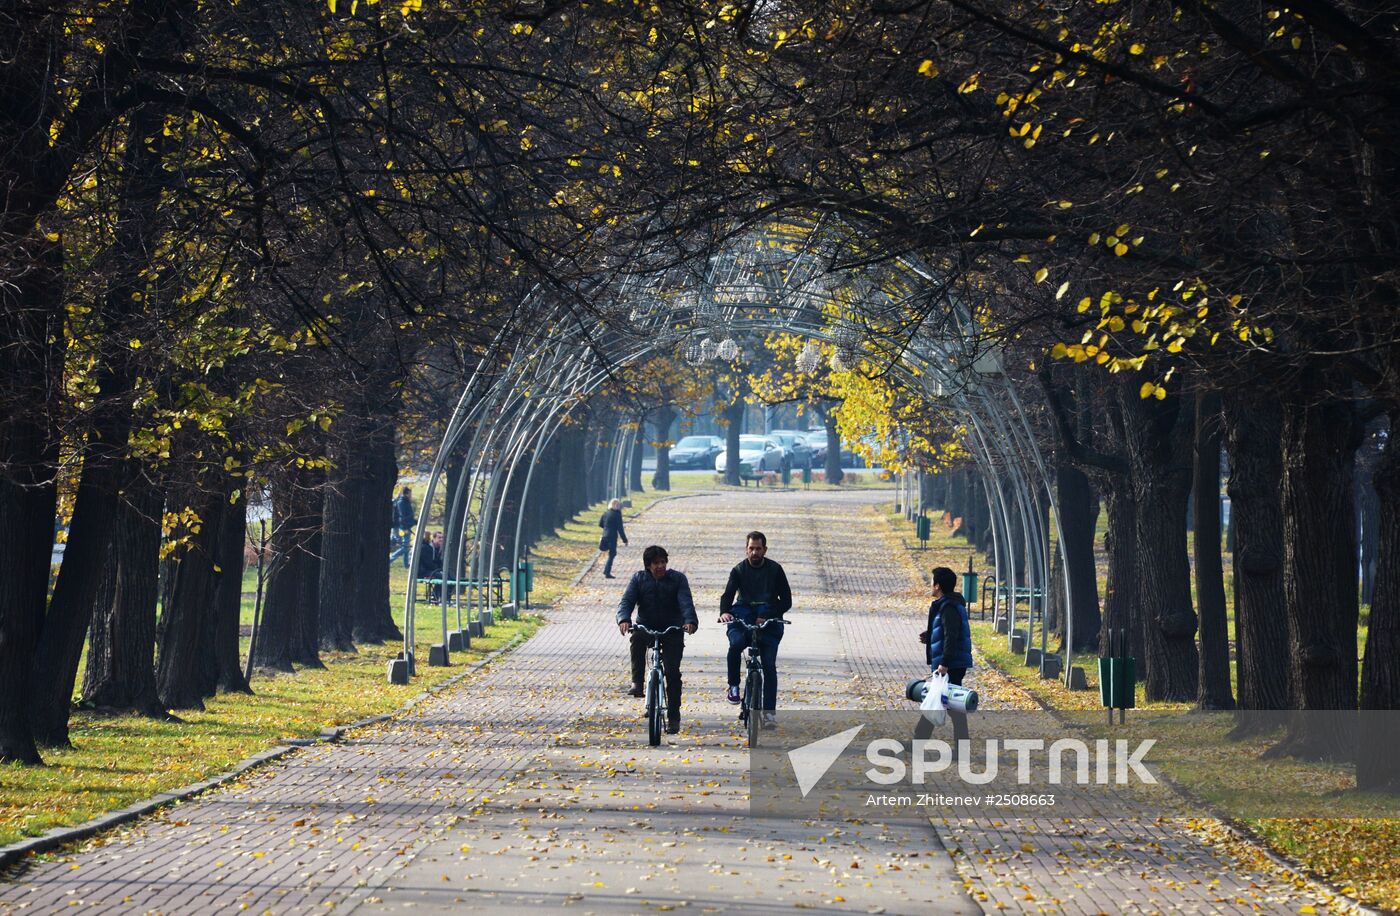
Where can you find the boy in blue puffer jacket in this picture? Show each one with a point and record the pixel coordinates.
(949, 641)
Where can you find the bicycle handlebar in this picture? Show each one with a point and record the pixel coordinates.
(650, 632)
(755, 626)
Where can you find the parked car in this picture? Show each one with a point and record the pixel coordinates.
(757, 454)
(817, 441)
(799, 451)
(696, 452)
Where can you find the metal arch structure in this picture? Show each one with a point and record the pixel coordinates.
(786, 277)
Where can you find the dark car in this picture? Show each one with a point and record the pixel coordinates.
(794, 442)
(696, 452)
(817, 440)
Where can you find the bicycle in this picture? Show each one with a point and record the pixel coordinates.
(751, 704)
(656, 683)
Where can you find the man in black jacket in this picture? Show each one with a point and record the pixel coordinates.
(757, 590)
(403, 520)
(662, 599)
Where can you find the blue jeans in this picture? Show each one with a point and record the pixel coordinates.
(402, 538)
(768, 640)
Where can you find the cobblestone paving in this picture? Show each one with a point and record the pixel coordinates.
(530, 785)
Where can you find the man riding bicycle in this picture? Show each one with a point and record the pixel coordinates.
(662, 599)
(757, 591)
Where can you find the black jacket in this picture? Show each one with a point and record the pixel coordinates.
(430, 563)
(404, 516)
(765, 583)
(659, 604)
(611, 523)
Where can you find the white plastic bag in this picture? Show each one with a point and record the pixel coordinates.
(932, 706)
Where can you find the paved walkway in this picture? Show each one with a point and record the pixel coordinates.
(531, 786)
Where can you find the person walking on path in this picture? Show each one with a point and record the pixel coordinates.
(662, 599)
(949, 642)
(611, 523)
(404, 520)
(757, 591)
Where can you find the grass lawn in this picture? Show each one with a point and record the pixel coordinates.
(1359, 854)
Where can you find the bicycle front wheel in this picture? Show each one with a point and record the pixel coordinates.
(753, 703)
(655, 708)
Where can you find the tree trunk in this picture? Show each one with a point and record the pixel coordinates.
(372, 616)
(834, 474)
(734, 416)
(932, 489)
(189, 605)
(1380, 669)
(228, 598)
(70, 609)
(307, 650)
(1215, 691)
(1319, 571)
(1078, 516)
(599, 485)
(36, 160)
(957, 494)
(544, 502)
(55, 661)
(1368, 508)
(342, 544)
(634, 461)
(662, 420)
(283, 628)
(568, 476)
(120, 673)
(1121, 610)
(969, 530)
(1254, 431)
(1158, 435)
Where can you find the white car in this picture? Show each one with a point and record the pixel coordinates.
(757, 454)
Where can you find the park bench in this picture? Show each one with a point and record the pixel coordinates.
(497, 586)
(1023, 593)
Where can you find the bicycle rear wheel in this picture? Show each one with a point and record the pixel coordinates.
(753, 704)
(655, 709)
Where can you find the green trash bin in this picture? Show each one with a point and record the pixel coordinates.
(921, 528)
(1118, 674)
(807, 475)
(1118, 682)
(969, 586)
(523, 583)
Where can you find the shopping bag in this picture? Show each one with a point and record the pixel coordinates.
(932, 705)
